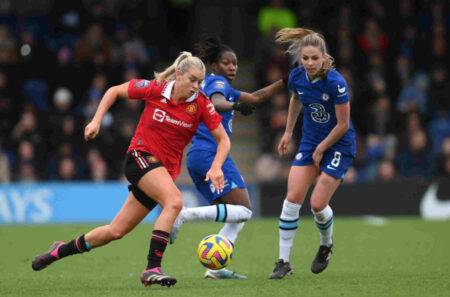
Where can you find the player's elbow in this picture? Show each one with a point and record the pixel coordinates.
(119, 91)
(345, 125)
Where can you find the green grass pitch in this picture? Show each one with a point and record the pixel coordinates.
(403, 257)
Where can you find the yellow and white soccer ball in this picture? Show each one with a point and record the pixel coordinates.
(215, 251)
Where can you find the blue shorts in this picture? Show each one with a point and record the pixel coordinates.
(198, 164)
(333, 162)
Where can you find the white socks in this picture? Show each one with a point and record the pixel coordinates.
(324, 222)
(288, 225)
(228, 213)
(231, 231)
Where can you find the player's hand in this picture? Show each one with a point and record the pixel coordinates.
(317, 156)
(284, 142)
(244, 108)
(91, 130)
(215, 175)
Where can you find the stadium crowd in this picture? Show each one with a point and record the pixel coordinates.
(56, 62)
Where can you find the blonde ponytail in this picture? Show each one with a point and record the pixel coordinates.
(298, 38)
(183, 62)
(288, 35)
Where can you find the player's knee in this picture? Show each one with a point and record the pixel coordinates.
(240, 213)
(246, 213)
(175, 202)
(317, 205)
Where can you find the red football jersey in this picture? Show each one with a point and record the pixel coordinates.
(165, 128)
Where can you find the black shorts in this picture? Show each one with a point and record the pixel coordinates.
(137, 164)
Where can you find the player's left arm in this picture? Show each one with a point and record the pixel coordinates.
(247, 100)
(343, 124)
(263, 94)
(215, 173)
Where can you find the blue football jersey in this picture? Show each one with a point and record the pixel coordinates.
(213, 83)
(319, 117)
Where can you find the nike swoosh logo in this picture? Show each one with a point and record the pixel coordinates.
(431, 207)
(300, 93)
(341, 90)
(329, 167)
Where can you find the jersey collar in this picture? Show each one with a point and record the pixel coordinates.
(312, 81)
(167, 91)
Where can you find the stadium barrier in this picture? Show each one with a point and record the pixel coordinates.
(84, 202)
(81, 202)
(431, 200)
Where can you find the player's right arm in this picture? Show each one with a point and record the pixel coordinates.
(108, 99)
(295, 106)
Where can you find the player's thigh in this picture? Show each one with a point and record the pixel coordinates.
(236, 196)
(129, 216)
(299, 180)
(326, 186)
(159, 185)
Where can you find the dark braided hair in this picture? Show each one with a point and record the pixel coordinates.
(211, 49)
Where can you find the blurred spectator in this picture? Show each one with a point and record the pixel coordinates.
(351, 176)
(8, 53)
(98, 168)
(386, 171)
(274, 17)
(417, 161)
(65, 164)
(373, 40)
(62, 100)
(403, 72)
(439, 129)
(27, 173)
(129, 50)
(67, 169)
(9, 108)
(444, 159)
(93, 44)
(26, 161)
(94, 94)
(27, 129)
(271, 167)
(414, 96)
(278, 114)
(5, 168)
(380, 118)
(439, 90)
(377, 149)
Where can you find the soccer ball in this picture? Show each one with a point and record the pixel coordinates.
(215, 251)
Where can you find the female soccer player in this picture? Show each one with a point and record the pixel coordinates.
(174, 108)
(327, 145)
(232, 205)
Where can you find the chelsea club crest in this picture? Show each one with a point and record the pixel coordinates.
(325, 97)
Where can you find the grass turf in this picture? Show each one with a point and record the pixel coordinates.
(403, 257)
